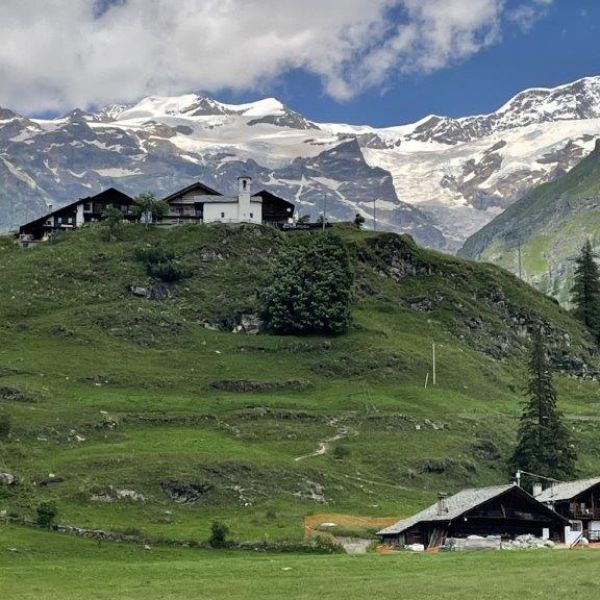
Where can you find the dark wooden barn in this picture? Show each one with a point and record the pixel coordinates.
(578, 501)
(78, 213)
(505, 510)
(276, 210)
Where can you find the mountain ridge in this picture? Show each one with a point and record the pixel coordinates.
(449, 176)
(547, 226)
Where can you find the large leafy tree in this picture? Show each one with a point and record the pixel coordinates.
(311, 287)
(149, 208)
(545, 446)
(586, 290)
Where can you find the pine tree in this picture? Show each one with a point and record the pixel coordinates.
(586, 291)
(545, 446)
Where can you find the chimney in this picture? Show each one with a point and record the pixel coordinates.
(244, 185)
(537, 489)
(442, 509)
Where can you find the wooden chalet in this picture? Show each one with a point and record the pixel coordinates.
(578, 501)
(78, 213)
(275, 210)
(504, 510)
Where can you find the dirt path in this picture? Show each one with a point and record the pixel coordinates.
(342, 431)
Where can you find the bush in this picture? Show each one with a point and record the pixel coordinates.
(311, 288)
(161, 264)
(112, 224)
(5, 426)
(218, 534)
(46, 514)
(341, 452)
(359, 221)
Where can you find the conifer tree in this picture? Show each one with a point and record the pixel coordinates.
(545, 446)
(586, 291)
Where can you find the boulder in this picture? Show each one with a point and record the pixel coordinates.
(7, 478)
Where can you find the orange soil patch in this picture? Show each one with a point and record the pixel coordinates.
(313, 521)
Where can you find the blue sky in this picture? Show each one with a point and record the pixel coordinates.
(560, 47)
(382, 62)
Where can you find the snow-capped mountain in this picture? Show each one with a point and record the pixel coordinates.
(440, 178)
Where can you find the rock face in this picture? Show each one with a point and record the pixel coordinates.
(440, 179)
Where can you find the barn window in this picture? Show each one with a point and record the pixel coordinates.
(222, 215)
(252, 215)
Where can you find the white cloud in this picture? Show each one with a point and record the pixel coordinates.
(58, 54)
(527, 14)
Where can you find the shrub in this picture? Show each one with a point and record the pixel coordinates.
(46, 514)
(311, 288)
(359, 221)
(161, 264)
(341, 452)
(5, 426)
(112, 222)
(218, 534)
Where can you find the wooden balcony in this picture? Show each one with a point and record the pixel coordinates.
(586, 513)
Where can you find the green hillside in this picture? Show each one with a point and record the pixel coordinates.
(150, 414)
(551, 223)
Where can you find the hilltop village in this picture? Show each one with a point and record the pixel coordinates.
(196, 203)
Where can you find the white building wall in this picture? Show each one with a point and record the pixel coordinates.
(217, 212)
(79, 218)
(229, 212)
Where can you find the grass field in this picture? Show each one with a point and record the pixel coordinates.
(121, 393)
(54, 567)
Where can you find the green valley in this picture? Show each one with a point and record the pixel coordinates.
(149, 408)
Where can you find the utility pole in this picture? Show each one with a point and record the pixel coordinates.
(374, 215)
(324, 210)
(434, 370)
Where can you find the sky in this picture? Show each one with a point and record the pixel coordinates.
(381, 62)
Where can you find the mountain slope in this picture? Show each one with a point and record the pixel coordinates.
(551, 223)
(440, 179)
(157, 413)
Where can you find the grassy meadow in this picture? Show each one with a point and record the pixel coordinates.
(36, 565)
(130, 414)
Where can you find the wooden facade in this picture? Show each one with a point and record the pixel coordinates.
(186, 205)
(275, 210)
(506, 511)
(578, 501)
(78, 213)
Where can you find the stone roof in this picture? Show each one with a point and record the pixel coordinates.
(454, 507)
(566, 490)
(206, 199)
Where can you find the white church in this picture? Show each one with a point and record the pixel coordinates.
(198, 202)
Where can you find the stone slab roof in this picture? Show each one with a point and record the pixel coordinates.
(454, 507)
(567, 490)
